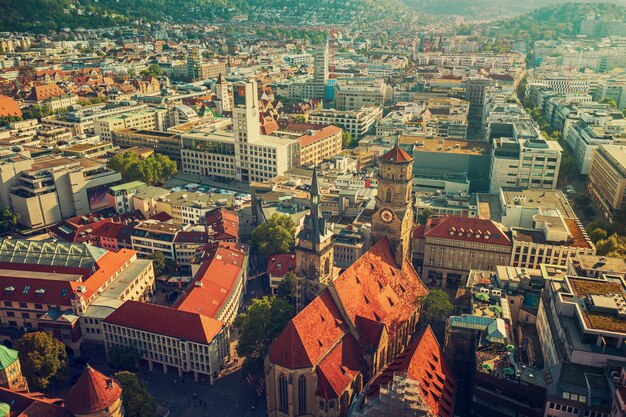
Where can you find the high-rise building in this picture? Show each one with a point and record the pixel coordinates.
(476, 94)
(320, 74)
(607, 179)
(221, 90)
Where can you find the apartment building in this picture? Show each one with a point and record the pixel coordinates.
(145, 200)
(178, 340)
(80, 120)
(165, 143)
(50, 286)
(145, 119)
(359, 122)
(585, 138)
(607, 179)
(122, 195)
(149, 236)
(189, 207)
(319, 144)
(355, 93)
(55, 188)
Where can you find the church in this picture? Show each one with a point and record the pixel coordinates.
(362, 319)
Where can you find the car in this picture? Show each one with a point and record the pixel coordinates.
(570, 190)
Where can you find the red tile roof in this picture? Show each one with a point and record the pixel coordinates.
(466, 229)
(162, 217)
(223, 224)
(339, 368)
(397, 154)
(171, 322)
(319, 134)
(44, 92)
(28, 404)
(298, 346)
(215, 281)
(418, 231)
(375, 288)
(424, 362)
(280, 265)
(93, 392)
(108, 230)
(9, 107)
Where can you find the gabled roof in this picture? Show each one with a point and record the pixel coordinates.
(309, 335)
(397, 154)
(423, 361)
(44, 92)
(375, 288)
(93, 392)
(339, 368)
(466, 229)
(280, 265)
(223, 224)
(25, 404)
(9, 107)
(171, 322)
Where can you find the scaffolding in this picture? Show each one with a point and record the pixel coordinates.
(401, 397)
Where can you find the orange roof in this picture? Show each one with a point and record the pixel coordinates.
(32, 404)
(215, 280)
(93, 392)
(171, 322)
(44, 92)
(376, 289)
(423, 361)
(339, 368)
(9, 107)
(299, 347)
(316, 136)
(223, 224)
(108, 265)
(397, 154)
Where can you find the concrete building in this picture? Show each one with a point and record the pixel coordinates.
(358, 122)
(476, 92)
(189, 207)
(145, 119)
(165, 143)
(607, 179)
(55, 188)
(352, 94)
(527, 163)
(122, 195)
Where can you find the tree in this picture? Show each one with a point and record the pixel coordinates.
(153, 70)
(348, 141)
(608, 100)
(287, 289)
(423, 216)
(624, 112)
(300, 119)
(258, 327)
(153, 170)
(137, 400)
(8, 219)
(43, 358)
(582, 200)
(158, 262)
(7, 120)
(275, 236)
(436, 305)
(597, 234)
(123, 357)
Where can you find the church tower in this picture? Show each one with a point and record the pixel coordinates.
(393, 217)
(315, 253)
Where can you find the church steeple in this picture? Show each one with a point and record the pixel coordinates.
(314, 245)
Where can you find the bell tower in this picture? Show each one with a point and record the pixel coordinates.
(393, 216)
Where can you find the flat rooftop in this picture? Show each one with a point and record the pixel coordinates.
(602, 263)
(538, 199)
(424, 144)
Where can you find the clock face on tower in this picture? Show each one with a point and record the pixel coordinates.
(386, 215)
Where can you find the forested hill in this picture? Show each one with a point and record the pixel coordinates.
(45, 15)
(558, 20)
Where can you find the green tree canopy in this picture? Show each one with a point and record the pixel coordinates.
(124, 357)
(153, 170)
(258, 327)
(8, 219)
(608, 100)
(43, 358)
(158, 262)
(436, 306)
(287, 289)
(137, 400)
(348, 141)
(275, 236)
(153, 70)
(423, 216)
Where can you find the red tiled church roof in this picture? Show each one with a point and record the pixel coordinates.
(93, 392)
(339, 368)
(423, 361)
(466, 229)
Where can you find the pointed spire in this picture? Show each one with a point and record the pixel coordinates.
(315, 187)
(220, 79)
(314, 224)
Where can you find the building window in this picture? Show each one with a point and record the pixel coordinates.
(302, 394)
(282, 393)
